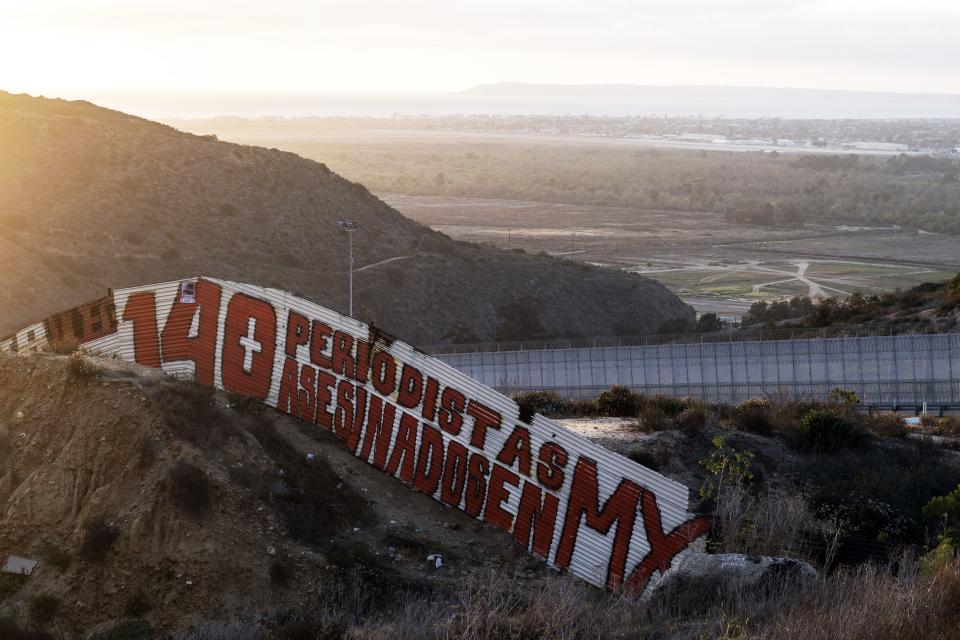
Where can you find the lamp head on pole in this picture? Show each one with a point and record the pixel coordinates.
(348, 225)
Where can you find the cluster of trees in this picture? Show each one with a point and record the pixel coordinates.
(748, 188)
(706, 323)
(927, 134)
(856, 308)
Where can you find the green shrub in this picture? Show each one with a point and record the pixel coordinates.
(545, 403)
(943, 513)
(753, 416)
(727, 467)
(827, 431)
(843, 396)
(653, 419)
(886, 425)
(618, 401)
(881, 491)
(693, 418)
(668, 404)
(941, 556)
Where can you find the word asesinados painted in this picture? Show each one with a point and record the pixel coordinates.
(416, 419)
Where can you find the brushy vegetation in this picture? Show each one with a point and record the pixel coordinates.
(617, 401)
(62, 347)
(314, 502)
(851, 475)
(192, 412)
(862, 604)
(857, 309)
(81, 369)
(190, 489)
(760, 189)
(545, 403)
(98, 538)
(827, 431)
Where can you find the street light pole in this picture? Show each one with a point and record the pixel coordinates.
(349, 226)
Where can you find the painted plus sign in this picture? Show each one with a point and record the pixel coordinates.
(250, 345)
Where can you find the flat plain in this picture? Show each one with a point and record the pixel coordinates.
(713, 264)
(445, 179)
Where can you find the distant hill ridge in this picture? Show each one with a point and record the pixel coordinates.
(626, 89)
(727, 101)
(91, 197)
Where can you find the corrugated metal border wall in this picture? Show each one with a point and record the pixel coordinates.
(580, 507)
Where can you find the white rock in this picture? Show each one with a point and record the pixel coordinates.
(701, 574)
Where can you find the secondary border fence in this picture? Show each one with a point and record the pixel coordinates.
(884, 370)
(744, 335)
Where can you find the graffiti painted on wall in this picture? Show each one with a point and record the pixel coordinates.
(579, 507)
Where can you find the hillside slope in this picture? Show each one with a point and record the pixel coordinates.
(147, 498)
(91, 198)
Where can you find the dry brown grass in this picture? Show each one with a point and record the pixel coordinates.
(773, 523)
(864, 604)
(872, 604)
(948, 427)
(653, 418)
(886, 425)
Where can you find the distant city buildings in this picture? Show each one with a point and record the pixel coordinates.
(883, 137)
(861, 145)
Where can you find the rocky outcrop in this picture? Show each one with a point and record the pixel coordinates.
(701, 578)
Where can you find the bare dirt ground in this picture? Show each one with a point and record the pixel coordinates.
(712, 264)
(74, 450)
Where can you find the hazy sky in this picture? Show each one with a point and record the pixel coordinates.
(447, 45)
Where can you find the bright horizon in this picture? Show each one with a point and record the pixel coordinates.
(65, 47)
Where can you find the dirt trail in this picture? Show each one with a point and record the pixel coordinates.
(816, 290)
